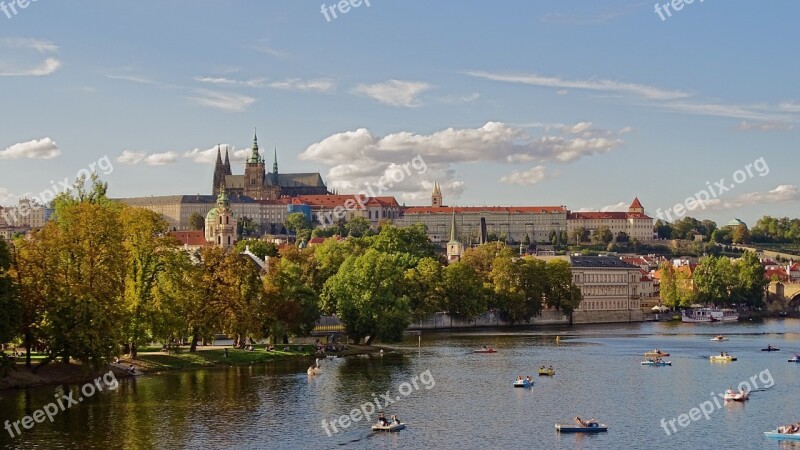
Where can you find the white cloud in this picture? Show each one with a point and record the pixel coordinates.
(592, 84)
(790, 107)
(616, 207)
(40, 45)
(37, 149)
(296, 84)
(527, 177)
(253, 82)
(133, 78)
(358, 157)
(265, 48)
(226, 101)
(209, 156)
(394, 92)
(7, 198)
(765, 126)
(152, 159)
(47, 67)
(748, 112)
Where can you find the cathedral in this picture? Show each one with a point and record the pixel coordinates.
(257, 184)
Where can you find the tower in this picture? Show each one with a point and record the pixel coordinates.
(436, 196)
(255, 173)
(636, 207)
(455, 249)
(219, 173)
(220, 222)
(275, 167)
(227, 166)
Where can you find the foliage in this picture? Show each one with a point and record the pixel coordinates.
(290, 305)
(197, 222)
(258, 247)
(602, 235)
(10, 304)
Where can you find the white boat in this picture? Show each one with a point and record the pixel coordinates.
(390, 428)
(523, 383)
(722, 358)
(795, 359)
(709, 315)
(734, 396)
(656, 362)
(719, 338)
(775, 434)
(572, 428)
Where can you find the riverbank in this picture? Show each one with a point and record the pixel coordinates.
(154, 362)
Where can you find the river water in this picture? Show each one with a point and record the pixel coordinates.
(461, 400)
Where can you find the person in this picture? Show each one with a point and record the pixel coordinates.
(131, 369)
(382, 419)
(586, 424)
(519, 377)
(550, 368)
(529, 379)
(541, 368)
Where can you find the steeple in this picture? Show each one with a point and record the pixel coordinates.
(255, 157)
(219, 157)
(454, 248)
(453, 239)
(219, 173)
(275, 161)
(227, 165)
(436, 196)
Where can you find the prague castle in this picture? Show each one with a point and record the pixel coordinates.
(257, 184)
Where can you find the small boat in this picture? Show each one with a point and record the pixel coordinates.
(795, 359)
(572, 428)
(390, 428)
(549, 372)
(651, 362)
(656, 354)
(722, 358)
(775, 434)
(485, 350)
(719, 338)
(770, 349)
(523, 383)
(733, 396)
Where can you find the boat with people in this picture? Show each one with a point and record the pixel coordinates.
(718, 338)
(656, 362)
(523, 382)
(770, 348)
(790, 432)
(722, 357)
(547, 372)
(387, 425)
(581, 426)
(485, 349)
(734, 396)
(709, 315)
(795, 359)
(657, 353)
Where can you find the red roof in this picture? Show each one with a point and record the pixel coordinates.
(193, 238)
(620, 215)
(636, 204)
(479, 209)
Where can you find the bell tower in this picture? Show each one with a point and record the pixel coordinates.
(436, 196)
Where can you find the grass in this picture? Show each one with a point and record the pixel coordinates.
(209, 357)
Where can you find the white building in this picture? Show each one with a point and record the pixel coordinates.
(635, 223)
(611, 289)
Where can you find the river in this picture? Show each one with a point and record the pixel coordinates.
(451, 398)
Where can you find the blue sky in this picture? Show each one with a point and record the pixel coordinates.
(582, 103)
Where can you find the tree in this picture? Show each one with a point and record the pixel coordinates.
(367, 294)
(412, 240)
(622, 237)
(10, 304)
(197, 222)
(327, 258)
(580, 234)
(245, 226)
(358, 227)
(519, 287)
(297, 222)
(481, 258)
(425, 288)
(669, 290)
(258, 247)
(602, 235)
(740, 235)
(714, 278)
(560, 292)
(464, 292)
(291, 306)
(722, 236)
(526, 241)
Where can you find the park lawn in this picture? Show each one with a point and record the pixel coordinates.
(211, 357)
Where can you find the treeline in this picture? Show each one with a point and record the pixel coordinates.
(103, 279)
(767, 230)
(716, 280)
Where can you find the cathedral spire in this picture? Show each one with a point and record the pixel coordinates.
(255, 157)
(453, 229)
(219, 157)
(227, 164)
(275, 161)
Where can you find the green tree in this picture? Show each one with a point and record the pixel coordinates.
(602, 235)
(245, 226)
(412, 240)
(358, 227)
(560, 292)
(10, 304)
(740, 235)
(425, 288)
(197, 222)
(258, 247)
(297, 222)
(291, 306)
(464, 291)
(367, 294)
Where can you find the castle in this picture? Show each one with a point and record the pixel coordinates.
(257, 184)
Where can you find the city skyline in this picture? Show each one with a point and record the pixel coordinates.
(562, 105)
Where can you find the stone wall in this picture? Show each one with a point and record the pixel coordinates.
(582, 317)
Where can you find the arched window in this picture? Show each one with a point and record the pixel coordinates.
(219, 240)
(220, 220)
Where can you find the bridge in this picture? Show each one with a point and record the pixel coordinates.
(785, 296)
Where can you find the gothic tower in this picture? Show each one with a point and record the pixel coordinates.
(275, 167)
(255, 174)
(219, 173)
(455, 249)
(436, 196)
(227, 165)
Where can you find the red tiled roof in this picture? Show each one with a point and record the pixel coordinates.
(478, 209)
(190, 237)
(636, 203)
(620, 215)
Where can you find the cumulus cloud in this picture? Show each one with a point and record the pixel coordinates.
(7, 197)
(358, 157)
(225, 101)
(394, 92)
(209, 156)
(525, 177)
(781, 194)
(37, 149)
(151, 159)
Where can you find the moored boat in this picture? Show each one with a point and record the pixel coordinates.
(709, 315)
(654, 362)
(795, 359)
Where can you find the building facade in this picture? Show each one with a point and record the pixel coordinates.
(220, 227)
(27, 214)
(610, 288)
(635, 223)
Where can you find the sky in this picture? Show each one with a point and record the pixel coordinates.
(529, 103)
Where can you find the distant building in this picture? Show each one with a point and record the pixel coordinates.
(455, 249)
(734, 223)
(221, 223)
(635, 223)
(191, 240)
(27, 214)
(327, 210)
(610, 288)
